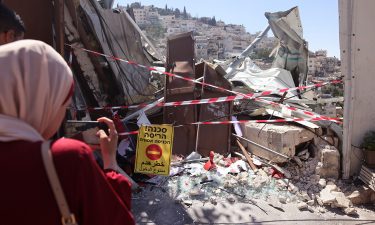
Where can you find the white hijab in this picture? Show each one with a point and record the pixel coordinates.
(34, 83)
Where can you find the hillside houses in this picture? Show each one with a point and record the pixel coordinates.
(213, 39)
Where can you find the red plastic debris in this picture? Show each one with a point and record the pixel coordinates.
(276, 174)
(210, 165)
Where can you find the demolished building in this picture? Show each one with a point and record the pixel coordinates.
(116, 76)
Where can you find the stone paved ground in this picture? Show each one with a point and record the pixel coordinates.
(155, 207)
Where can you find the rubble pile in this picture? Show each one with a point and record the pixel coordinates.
(283, 157)
(234, 182)
(360, 195)
(314, 180)
(307, 181)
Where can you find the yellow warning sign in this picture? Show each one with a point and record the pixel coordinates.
(154, 149)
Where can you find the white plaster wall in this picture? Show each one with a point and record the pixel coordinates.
(357, 43)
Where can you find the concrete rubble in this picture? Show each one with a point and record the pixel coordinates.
(281, 138)
(308, 189)
(112, 67)
(329, 165)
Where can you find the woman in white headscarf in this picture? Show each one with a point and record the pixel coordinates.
(35, 88)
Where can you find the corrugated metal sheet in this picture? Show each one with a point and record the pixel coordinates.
(292, 53)
(118, 37)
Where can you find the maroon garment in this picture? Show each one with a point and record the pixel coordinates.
(27, 198)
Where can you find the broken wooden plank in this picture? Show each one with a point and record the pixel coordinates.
(247, 156)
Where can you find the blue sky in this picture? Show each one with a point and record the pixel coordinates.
(319, 17)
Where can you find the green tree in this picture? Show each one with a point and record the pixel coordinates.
(136, 5)
(213, 21)
(205, 20)
(184, 13)
(177, 13)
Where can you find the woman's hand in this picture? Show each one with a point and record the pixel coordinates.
(108, 144)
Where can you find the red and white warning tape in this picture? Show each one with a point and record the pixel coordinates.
(117, 107)
(249, 95)
(321, 118)
(210, 100)
(268, 104)
(178, 103)
(268, 121)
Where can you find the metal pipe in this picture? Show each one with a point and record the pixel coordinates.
(260, 146)
(245, 53)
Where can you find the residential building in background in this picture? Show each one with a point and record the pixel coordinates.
(321, 66)
(214, 39)
(218, 40)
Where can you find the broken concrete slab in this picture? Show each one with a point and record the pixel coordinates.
(305, 197)
(330, 188)
(350, 211)
(322, 210)
(322, 183)
(357, 198)
(329, 165)
(363, 195)
(330, 156)
(326, 171)
(281, 138)
(341, 200)
(326, 197)
(332, 195)
(302, 206)
(261, 179)
(319, 200)
(311, 209)
(311, 202)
